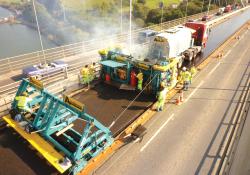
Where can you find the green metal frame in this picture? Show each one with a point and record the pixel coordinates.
(54, 115)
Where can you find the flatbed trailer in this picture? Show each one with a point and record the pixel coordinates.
(104, 102)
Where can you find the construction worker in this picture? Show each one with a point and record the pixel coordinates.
(103, 53)
(92, 71)
(193, 71)
(22, 102)
(85, 75)
(140, 80)
(161, 97)
(186, 77)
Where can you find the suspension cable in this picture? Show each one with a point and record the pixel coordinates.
(39, 32)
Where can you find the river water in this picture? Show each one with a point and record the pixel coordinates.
(16, 39)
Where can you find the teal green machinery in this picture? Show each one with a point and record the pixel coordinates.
(154, 73)
(53, 119)
(118, 66)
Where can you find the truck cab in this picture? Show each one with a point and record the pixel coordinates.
(201, 33)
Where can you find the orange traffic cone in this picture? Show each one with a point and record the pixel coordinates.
(178, 100)
(181, 97)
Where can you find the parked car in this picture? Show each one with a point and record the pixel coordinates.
(220, 12)
(146, 35)
(228, 8)
(45, 69)
(206, 18)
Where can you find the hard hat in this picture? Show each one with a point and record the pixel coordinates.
(184, 68)
(103, 52)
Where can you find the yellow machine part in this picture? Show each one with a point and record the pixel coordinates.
(36, 83)
(74, 103)
(43, 147)
(120, 58)
(143, 66)
(172, 63)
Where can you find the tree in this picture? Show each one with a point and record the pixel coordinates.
(140, 11)
(170, 14)
(154, 16)
(139, 22)
(142, 1)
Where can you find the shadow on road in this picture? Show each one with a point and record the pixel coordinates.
(216, 157)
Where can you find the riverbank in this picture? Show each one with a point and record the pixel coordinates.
(19, 39)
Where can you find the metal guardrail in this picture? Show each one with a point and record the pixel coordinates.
(18, 62)
(54, 84)
(240, 115)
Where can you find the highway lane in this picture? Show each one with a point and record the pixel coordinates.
(188, 139)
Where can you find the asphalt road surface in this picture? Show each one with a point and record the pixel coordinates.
(188, 139)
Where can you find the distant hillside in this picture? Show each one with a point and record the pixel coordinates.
(81, 5)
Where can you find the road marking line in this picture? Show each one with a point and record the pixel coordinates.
(194, 91)
(210, 73)
(227, 53)
(157, 132)
(235, 44)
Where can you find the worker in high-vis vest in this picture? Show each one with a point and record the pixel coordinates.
(193, 71)
(92, 71)
(140, 80)
(161, 97)
(85, 75)
(186, 77)
(22, 102)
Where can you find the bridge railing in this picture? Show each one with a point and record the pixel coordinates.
(55, 84)
(19, 62)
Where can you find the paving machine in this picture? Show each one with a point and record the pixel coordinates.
(121, 70)
(166, 53)
(60, 130)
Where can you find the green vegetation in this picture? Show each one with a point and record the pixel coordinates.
(10, 1)
(11, 4)
(155, 3)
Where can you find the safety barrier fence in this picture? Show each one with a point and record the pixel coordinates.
(18, 62)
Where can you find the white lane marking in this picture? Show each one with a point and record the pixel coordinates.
(194, 91)
(235, 44)
(210, 73)
(227, 53)
(157, 132)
